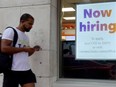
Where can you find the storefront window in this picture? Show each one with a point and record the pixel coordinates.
(87, 56)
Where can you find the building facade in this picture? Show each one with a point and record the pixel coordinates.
(45, 33)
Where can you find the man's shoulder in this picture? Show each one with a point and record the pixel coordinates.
(8, 33)
(9, 27)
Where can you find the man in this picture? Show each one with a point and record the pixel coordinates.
(20, 71)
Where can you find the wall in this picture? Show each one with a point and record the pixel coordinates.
(44, 33)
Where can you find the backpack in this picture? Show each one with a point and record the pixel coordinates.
(6, 59)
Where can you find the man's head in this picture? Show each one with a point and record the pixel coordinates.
(26, 22)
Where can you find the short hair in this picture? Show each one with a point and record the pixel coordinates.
(26, 16)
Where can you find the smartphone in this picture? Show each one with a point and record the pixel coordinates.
(37, 47)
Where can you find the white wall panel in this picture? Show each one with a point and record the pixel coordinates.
(53, 29)
(34, 2)
(43, 82)
(9, 3)
(9, 17)
(53, 64)
(53, 41)
(1, 80)
(43, 33)
(40, 63)
(54, 3)
(13, 3)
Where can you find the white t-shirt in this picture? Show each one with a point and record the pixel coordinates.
(20, 60)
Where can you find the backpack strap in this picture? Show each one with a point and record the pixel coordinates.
(15, 38)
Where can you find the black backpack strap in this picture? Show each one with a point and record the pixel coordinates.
(15, 38)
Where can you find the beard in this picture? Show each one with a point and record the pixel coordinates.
(26, 29)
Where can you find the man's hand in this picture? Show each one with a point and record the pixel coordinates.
(37, 48)
(29, 50)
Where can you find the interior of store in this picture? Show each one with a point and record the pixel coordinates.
(69, 16)
(72, 68)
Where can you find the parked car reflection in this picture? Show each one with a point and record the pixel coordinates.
(92, 69)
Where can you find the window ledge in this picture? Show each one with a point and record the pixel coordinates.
(84, 83)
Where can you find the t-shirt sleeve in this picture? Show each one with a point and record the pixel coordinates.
(8, 34)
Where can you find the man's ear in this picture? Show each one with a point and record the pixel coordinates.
(22, 21)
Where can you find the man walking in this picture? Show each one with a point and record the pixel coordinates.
(20, 72)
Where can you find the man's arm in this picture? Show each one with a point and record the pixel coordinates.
(7, 48)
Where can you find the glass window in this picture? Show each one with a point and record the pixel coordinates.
(87, 65)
